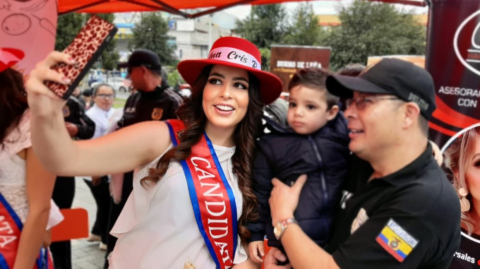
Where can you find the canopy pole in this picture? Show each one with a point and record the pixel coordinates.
(212, 10)
(83, 7)
(210, 32)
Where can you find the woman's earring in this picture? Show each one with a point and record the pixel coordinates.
(464, 203)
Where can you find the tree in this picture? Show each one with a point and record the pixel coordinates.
(110, 56)
(68, 27)
(266, 55)
(266, 25)
(369, 29)
(151, 33)
(305, 29)
(174, 78)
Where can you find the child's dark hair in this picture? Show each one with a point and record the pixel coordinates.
(351, 70)
(314, 78)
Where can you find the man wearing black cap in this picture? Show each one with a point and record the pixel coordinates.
(398, 210)
(153, 100)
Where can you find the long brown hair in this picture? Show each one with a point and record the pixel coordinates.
(192, 114)
(456, 159)
(13, 101)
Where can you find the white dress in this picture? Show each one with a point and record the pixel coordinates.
(13, 172)
(157, 227)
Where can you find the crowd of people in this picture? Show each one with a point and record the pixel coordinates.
(345, 176)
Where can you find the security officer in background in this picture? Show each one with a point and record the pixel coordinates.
(399, 210)
(79, 126)
(154, 100)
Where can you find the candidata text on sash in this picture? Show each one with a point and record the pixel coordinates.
(6, 233)
(217, 220)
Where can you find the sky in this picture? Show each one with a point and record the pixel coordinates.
(226, 19)
(320, 7)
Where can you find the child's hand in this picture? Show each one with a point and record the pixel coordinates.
(256, 251)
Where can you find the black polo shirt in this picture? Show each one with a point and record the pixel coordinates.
(160, 104)
(408, 219)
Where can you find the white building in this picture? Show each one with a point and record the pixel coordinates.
(192, 37)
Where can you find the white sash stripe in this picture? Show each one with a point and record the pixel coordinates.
(234, 55)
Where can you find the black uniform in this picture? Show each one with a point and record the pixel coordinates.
(408, 219)
(64, 190)
(468, 255)
(160, 104)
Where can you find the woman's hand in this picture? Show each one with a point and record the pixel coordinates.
(41, 100)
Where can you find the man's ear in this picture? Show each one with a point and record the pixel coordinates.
(411, 114)
(332, 112)
(144, 70)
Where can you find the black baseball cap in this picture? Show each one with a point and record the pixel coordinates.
(403, 79)
(143, 57)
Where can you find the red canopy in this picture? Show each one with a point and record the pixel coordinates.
(174, 6)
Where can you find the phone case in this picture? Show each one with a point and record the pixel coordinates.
(85, 49)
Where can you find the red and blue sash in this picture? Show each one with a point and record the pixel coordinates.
(211, 196)
(10, 231)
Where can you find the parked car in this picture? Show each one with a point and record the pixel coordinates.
(119, 84)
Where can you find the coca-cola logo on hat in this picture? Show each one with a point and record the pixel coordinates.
(467, 43)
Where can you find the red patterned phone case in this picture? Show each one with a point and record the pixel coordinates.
(85, 49)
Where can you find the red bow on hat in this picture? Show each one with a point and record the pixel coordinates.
(9, 57)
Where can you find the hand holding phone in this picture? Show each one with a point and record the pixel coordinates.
(84, 50)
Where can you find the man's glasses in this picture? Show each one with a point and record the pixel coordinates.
(105, 96)
(361, 100)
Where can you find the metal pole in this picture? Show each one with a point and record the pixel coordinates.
(209, 32)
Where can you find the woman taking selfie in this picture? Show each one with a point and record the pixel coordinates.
(192, 193)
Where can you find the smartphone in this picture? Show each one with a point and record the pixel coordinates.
(85, 49)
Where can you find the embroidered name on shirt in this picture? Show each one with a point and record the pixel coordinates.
(465, 257)
(396, 241)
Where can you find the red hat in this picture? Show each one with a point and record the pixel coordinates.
(9, 57)
(235, 52)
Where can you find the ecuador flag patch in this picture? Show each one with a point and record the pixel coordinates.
(396, 241)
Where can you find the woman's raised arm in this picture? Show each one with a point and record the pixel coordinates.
(118, 152)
